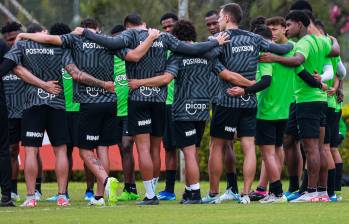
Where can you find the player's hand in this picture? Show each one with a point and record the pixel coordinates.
(78, 31)
(331, 91)
(153, 33)
(52, 87)
(109, 86)
(267, 57)
(340, 95)
(252, 82)
(222, 38)
(133, 84)
(317, 76)
(236, 91)
(19, 37)
(324, 87)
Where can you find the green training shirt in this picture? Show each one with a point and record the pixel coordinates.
(121, 87)
(263, 97)
(70, 105)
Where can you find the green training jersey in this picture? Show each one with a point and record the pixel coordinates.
(170, 88)
(68, 89)
(308, 47)
(263, 97)
(121, 86)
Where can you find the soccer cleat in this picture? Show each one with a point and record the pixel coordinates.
(185, 196)
(271, 198)
(37, 195)
(245, 199)
(210, 200)
(7, 203)
(323, 196)
(62, 200)
(293, 196)
(53, 198)
(94, 202)
(30, 202)
(307, 197)
(128, 196)
(15, 197)
(228, 196)
(166, 196)
(110, 190)
(147, 201)
(257, 195)
(195, 198)
(333, 198)
(89, 195)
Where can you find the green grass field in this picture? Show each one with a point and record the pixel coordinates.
(172, 212)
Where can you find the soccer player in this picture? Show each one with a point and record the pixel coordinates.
(126, 145)
(168, 21)
(236, 113)
(232, 191)
(147, 105)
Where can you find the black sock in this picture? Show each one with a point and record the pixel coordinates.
(339, 174)
(232, 182)
(321, 189)
(195, 194)
(331, 182)
(294, 183)
(105, 181)
(14, 186)
(311, 190)
(130, 188)
(98, 197)
(304, 185)
(276, 188)
(170, 180)
(212, 194)
(260, 188)
(38, 184)
(89, 190)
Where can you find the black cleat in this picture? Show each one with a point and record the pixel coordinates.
(7, 203)
(147, 201)
(191, 202)
(185, 197)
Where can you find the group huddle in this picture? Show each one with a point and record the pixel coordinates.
(139, 85)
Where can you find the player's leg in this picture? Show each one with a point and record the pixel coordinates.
(90, 182)
(14, 135)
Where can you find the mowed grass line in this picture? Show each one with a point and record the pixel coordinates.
(172, 212)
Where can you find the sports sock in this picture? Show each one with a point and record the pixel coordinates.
(294, 183)
(212, 195)
(195, 191)
(276, 188)
(311, 190)
(149, 191)
(38, 184)
(321, 189)
(339, 174)
(170, 180)
(331, 182)
(90, 190)
(260, 188)
(232, 182)
(304, 185)
(194, 187)
(14, 186)
(130, 188)
(98, 197)
(155, 181)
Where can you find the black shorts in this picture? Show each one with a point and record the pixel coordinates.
(188, 133)
(330, 119)
(169, 137)
(270, 132)
(73, 129)
(98, 125)
(226, 121)
(124, 126)
(146, 118)
(37, 119)
(336, 138)
(14, 128)
(292, 127)
(309, 118)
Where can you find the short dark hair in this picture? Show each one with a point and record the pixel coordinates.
(234, 10)
(169, 15)
(117, 29)
(264, 31)
(320, 25)
(34, 28)
(10, 27)
(301, 5)
(59, 29)
(276, 21)
(134, 19)
(260, 20)
(184, 30)
(299, 16)
(211, 13)
(90, 23)
(310, 15)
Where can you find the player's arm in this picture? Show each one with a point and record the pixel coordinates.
(332, 90)
(257, 87)
(156, 81)
(40, 38)
(6, 66)
(88, 79)
(113, 43)
(293, 61)
(335, 48)
(328, 73)
(49, 86)
(235, 78)
(268, 46)
(341, 70)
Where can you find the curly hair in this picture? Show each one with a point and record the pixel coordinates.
(184, 30)
(10, 27)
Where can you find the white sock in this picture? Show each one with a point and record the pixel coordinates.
(195, 187)
(187, 188)
(155, 181)
(149, 192)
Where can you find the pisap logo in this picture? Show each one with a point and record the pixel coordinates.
(42, 94)
(94, 91)
(148, 91)
(121, 80)
(192, 108)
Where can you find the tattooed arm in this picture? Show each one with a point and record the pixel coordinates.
(88, 79)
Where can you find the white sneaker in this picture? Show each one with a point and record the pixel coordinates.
(228, 196)
(307, 197)
(245, 200)
(95, 202)
(29, 202)
(37, 195)
(271, 198)
(15, 197)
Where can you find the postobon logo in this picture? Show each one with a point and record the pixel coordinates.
(121, 80)
(94, 91)
(42, 94)
(148, 91)
(193, 108)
